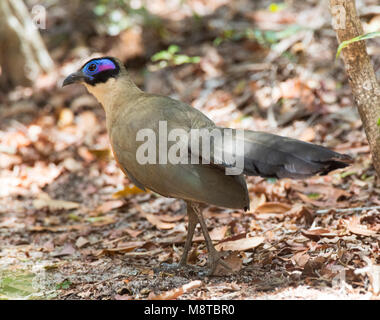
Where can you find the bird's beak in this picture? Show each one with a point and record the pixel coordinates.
(74, 77)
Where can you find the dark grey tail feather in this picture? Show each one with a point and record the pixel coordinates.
(272, 156)
(269, 155)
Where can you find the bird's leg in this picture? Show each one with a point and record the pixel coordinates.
(214, 256)
(193, 220)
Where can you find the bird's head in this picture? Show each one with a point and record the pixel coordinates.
(96, 71)
(106, 78)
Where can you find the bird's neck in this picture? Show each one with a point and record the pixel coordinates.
(114, 94)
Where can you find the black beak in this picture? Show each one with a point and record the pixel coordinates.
(74, 77)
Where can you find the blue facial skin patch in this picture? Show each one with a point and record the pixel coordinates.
(106, 64)
(99, 70)
(95, 66)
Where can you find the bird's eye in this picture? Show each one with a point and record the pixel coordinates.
(92, 67)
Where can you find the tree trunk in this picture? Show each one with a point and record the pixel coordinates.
(364, 86)
(23, 55)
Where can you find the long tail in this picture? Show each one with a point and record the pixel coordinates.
(268, 155)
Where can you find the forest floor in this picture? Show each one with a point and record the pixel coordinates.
(73, 227)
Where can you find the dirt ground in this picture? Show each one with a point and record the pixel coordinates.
(73, 227)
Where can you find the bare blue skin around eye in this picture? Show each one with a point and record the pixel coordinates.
(105, 64)
(102, 64)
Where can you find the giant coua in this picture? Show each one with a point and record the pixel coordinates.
(129, 110)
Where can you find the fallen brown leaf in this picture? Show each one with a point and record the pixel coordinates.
(312, 266)
(327, 193)
(301, 211)
(155, 220)
(175, 293)
(216, 234)
(234, 260)
(133, 233)
(273, 207)
(125, 247)
(81, 242)
(102, 220)
(59, 228)
(108, 206)
(45, 201)
(67, 250)
(170, 218)
(240, 244)
(127, 191)
(318, 233)
(306, 199)
(300, 258)
(48, 246)
(356, 227)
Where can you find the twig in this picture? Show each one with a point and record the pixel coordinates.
(323, 211)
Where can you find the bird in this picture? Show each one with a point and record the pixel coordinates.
(129, 110)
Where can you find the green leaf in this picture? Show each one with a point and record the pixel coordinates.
(275, 7)
(356, 39)
(195, 59)
(173, 49)
(181, 59)
(74, 217)
(162, 55)
(171, 57)
(378, 122)
(64, 285)
(347, 174)
(218, 41)
(271, 180)
(314, 195)
(100, 9)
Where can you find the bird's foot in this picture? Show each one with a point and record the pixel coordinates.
(216, 263)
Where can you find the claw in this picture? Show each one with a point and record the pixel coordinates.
(215, 259)
(214, 255)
